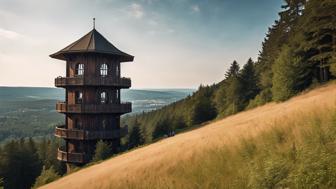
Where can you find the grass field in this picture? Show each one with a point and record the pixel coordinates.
(285, 145)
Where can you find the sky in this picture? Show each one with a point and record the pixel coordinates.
(176, 43)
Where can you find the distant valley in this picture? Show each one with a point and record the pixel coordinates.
(30, 111)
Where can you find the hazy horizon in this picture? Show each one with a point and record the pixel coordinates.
(133, 88)
(176, 44)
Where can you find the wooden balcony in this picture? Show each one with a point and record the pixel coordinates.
(93, 81)
(122, 108)
(71, 157)
(77, 134)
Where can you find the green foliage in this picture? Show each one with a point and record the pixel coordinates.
(27, 118)
(178, 123)
(47, 176)
(333, 66)
(103, 151)
(1, 183)
(262, 98)
(249, 80)
(136, 137)
(20, 155)
(47, 152)
(288, 72)
(162, 128)
(233, 70)
(202, 110)
(228, 96)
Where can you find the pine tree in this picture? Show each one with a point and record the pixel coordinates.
(248, 78)
(103, 151)
(161, 128)
(233, 96)
(136, 137)
(202, 110)
(278, 35)
(289, 73)
(233, 70)
(318, 27)
(178, 123)
(20, 155)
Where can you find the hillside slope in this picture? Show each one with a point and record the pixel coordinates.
(161, 157)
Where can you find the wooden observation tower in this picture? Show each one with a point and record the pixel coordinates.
(92, 104)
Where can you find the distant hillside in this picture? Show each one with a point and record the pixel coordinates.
(285, 145)
(30, 111)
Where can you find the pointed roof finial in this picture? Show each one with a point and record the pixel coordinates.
(94, 23)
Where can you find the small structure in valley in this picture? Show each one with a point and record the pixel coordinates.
(92, 104)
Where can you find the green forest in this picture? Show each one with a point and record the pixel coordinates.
(298, 53)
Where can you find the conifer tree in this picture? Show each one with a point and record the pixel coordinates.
(19, 155)
(289, 73)
(318, 27)
(136, 137)
(161, 128)
(249, 88)
(233, 70)
(202, 110)
(103, 151)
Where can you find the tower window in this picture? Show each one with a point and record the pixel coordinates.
(80, 69)
(79, 97)
(78, 124)
(117, 70)
(104, 123)
(103, 97)
(103, 70)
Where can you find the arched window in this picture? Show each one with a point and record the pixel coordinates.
(104, 123)
(103, 97)
(80, 69)
(78, 97)
(103, 70)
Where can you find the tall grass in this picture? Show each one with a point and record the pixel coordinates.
(299, 151)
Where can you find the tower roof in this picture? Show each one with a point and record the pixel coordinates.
(92, 42)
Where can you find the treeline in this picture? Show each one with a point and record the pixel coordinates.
(26, 163)
(298, 51)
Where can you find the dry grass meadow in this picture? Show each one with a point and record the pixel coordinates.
(290, 144)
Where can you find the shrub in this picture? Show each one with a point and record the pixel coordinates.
(103, 151)
(47, 176)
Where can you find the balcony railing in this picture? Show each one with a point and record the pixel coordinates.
(73, 157)
(77, 134)
(93, 81)
(125, 107)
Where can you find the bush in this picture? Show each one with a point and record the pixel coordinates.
(103, 151)
(264, 97)
(333, 66)
(47, 176)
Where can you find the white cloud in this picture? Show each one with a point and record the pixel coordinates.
(195, 8)
(136, 10)
(7, 34)
(161, 31)
(152, 22)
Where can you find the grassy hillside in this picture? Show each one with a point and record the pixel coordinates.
(290, 144)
